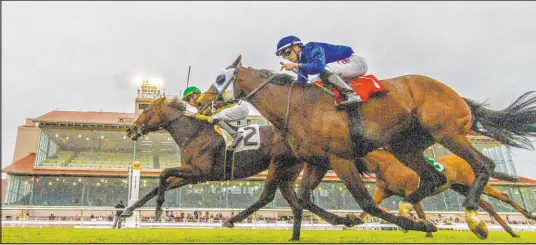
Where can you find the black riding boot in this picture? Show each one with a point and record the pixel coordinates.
(237, 137)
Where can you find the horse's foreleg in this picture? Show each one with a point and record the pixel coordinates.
(188, 172)
(347, 172)
(172, 183)
(267, 195)
(315, 174)
(379, 195)
(420, 212)
(175, 183)
(287, 190)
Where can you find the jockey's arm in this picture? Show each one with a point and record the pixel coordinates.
(201, 117)
(316, 60)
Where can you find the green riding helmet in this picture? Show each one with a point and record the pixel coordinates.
(189, 91)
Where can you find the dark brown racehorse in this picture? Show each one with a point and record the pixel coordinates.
(418, 112)
(203, 156)
(394, 178)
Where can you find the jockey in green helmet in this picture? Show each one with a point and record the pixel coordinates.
(190, 96)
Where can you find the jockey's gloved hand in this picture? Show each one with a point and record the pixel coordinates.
(213, 120)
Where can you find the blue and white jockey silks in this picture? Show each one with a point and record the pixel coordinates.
(316, 57)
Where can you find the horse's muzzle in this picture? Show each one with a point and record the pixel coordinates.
(134, 132)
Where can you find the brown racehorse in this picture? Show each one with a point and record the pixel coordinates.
(394, 178)
(203, 158)
(418, 112)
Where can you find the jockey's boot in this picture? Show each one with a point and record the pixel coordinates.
(237, 137)
(351, 96)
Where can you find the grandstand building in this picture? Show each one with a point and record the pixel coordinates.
(79, 158)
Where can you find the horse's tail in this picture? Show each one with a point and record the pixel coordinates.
(511, 126)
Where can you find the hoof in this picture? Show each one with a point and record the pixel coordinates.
(428, 226)
(294, 239)
(158, 215)
(404, 208)
(478, 227)
(127, 213)
(353, 220)
(516, 236)
(404, 230)
(429, 234)
(228, 224)
(481, 231)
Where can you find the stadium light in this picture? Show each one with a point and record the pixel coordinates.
(138, 80)
(156, 81)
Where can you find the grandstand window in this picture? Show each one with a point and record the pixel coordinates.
(94, 149)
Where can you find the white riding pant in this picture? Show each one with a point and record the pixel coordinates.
(236, 113)
(353, 66)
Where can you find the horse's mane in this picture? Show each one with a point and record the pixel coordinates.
(180, 106)
(279, 79)
(177, 104)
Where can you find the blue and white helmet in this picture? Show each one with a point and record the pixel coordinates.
(286, 42)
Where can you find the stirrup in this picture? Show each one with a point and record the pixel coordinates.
(352, 100)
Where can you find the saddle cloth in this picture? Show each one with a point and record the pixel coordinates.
(364, 86)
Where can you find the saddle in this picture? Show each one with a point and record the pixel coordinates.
(365, 86)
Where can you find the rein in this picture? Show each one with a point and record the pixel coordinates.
(268, 80)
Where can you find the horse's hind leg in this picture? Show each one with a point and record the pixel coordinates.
(348, 173)
(487, 207)
(492, 192)
(460, 145)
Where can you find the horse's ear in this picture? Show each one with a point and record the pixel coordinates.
(237, 62)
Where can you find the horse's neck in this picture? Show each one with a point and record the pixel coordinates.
(178, 129)
(272, 102)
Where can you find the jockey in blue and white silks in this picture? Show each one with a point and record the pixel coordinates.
(330, 61)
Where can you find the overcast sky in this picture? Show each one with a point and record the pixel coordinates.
(84, 55)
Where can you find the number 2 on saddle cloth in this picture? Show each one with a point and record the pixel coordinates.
(364, 86)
